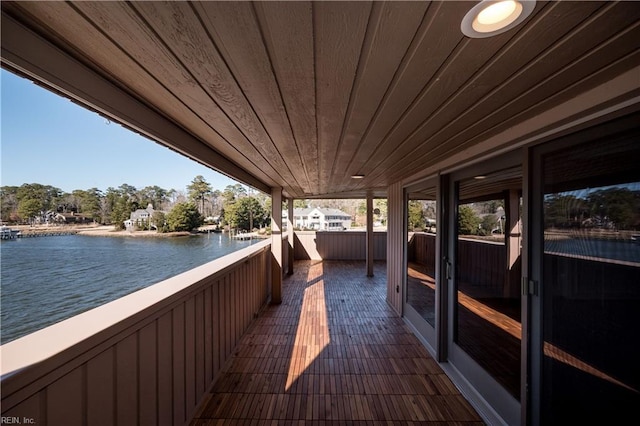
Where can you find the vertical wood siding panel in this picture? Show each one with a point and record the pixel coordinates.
(65, 400)
(208, 337)
(222, 312)
(226, 319)
(215, 318)
(231, 320)
(199, 345)
(244, 299)
(165, 370)
(190, 355)
(126, 380)
(234, 308)
(148, 375)
(178, 350)
(100, 389)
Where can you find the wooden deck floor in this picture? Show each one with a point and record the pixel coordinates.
(333, 353)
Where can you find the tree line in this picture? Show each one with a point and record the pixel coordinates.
(176, 210)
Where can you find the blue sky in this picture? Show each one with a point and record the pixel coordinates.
(49, 140)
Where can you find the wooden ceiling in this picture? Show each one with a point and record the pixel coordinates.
(303, 95)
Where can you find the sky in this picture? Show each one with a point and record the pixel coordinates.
(49, 140)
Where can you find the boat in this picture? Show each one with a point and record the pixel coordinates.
(7, 233)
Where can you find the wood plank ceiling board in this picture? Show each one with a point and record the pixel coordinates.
(421, 62)
(235, 31)
(391, 28)
(180, 29)
(72, 29)
(448, 85)
(302, 95)
(493, 184)
(337, 57)
(287, 29)
(560, 67)
(542, 80)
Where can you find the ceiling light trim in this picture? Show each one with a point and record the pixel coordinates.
(518, 11)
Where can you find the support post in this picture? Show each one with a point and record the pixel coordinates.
(512, 230)
(290, 235)
(369, 234)
(276, 246)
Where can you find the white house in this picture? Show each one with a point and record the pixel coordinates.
(320, 219)
(140, 217)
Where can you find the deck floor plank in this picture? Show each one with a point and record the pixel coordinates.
(333, 353)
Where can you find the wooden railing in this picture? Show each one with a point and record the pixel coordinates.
(338, 245)
(481, 264)
(599, 279)
(147, 358)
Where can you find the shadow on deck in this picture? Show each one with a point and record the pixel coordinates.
(333, 352)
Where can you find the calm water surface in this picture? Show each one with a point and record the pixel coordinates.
(45, 280)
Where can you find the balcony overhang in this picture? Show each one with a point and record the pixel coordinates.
(303, 96)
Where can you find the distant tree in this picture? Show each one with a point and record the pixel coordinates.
(8, 203)
(216, 203)
(238, 190)
(120, 202)
(198, 190)
(229, 214)
(155, 195)
(91, 203)
(248, 214)
(47, 195)
(415, 215)
(562, 210)
(620, 205)
(121, 211)
(300, 204)
(29, 209)
(467, 221)
(159, 219)
(184, 217)
(489, 223)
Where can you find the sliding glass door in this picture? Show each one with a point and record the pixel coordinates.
(485, 308)
(422, 240)
(586, 240)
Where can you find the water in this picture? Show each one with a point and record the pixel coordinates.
(45, 280)
(627, 251)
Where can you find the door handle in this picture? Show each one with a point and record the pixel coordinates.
(447, 265)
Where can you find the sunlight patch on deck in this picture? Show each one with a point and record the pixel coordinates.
(312, 335)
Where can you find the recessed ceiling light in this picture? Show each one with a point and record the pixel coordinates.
(479, 177)
(493, 17)
(357, 176)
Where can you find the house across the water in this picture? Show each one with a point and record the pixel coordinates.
(141, 217)
(320, 219)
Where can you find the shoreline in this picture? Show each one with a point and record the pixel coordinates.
(97, 231)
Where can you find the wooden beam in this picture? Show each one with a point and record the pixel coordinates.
(276, 246)
(290, 235)
(369, 234)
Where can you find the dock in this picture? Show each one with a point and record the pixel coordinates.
(243, 236)
(7, 233)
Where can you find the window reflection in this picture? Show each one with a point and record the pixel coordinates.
(421, 253)
(591, 279)
(488, 270)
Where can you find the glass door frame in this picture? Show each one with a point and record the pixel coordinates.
(431, 336)
(481, 383)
